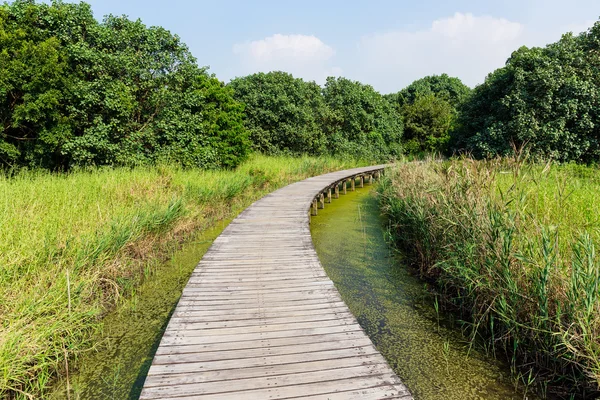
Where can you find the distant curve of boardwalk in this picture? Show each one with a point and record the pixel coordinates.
(260, 319)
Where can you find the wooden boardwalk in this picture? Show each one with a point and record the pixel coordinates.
(260, 319)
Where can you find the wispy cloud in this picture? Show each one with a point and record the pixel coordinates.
(304, 56)
(462, 45)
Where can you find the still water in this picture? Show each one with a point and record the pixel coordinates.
(397, 312)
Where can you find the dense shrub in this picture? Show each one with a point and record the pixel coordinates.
(442, 86)
(429, 108)
(283, 113)
(544, 99)
(77, 92)
(288, 115)
(360, 120)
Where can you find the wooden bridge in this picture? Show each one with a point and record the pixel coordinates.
(260, 319)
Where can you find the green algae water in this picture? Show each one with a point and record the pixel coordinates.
(396, 311)
(118, 366)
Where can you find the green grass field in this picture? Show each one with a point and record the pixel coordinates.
(511, 247)
(71, 245)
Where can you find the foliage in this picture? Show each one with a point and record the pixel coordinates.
(360, 121)
(442, 86)
(429, 109)
(510, 246)
(283, 113)
(77, 92)
(546, 99)
(427, 124)
(291, 116)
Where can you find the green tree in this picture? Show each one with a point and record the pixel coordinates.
(545, 99)
(360, 121)
(78, 92)
(427, 124)
(442, 86)
(429, 109)
(283, 113)
(31, 75)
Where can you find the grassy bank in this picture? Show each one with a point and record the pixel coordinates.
(511, 247)
(71, 246)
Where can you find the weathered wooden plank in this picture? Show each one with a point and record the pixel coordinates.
(259, 318)
(198, 328)
(179, 368)
(226, 375)
(257, 352)
(191, 305)
(268, 382)
(381, 382)
(276, 342)
(258, 313)
(258, 321)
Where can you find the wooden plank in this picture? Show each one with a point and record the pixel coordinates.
(231, 309)
(272, 343)
(257, 321)
(179, 368)
(268, 382)
(381, 382)
(259, 318)
(200, 329)
(262, 351)
(256, 313)
(226, 375)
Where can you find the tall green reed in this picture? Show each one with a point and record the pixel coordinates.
(510, 245)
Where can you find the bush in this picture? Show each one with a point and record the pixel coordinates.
(544, 99)
(283, 113)
(429, 108)
(360, 121)
(77, 92)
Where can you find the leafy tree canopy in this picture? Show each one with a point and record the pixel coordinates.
(77, 92)
(429, 109)
(545, 99)
(283, 114)
(360, 120)
(427, 124)
(442, 86)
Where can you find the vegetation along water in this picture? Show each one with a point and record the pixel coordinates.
(396, 311)
(511, 247)
(117, 145)
(72, 246)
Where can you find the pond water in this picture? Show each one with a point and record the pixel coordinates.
(396, 311)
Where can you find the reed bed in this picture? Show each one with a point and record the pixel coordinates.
(510, 247)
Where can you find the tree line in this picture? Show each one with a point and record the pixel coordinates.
(78, 92)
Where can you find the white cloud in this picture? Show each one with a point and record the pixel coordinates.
(302, 55)
(463, 45)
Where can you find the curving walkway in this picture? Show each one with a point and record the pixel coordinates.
(260, 319)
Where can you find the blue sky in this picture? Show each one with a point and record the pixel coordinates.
(387, 44)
